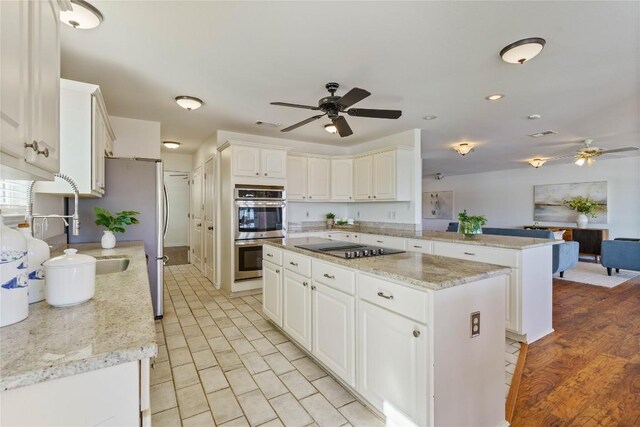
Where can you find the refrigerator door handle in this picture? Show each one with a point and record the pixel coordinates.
(165, 259)
(166, 211)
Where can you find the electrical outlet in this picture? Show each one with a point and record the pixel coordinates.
(475, 324)
(307, 214)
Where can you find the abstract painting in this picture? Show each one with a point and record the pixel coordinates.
(437, 205)
(548, 201)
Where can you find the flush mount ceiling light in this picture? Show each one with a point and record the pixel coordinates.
(536, 163)
(82, 15)
(523, 50)
(463, 148)
(171, 144)
(429, 117)
(494, 97)
(189, 102)
(331, 128)
(533, 116)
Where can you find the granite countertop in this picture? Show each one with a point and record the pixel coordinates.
(116, 326)
(506, 242)
(425, 271)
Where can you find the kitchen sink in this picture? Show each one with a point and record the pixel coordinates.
(111, 265)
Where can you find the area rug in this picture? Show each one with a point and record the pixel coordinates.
(596, 274)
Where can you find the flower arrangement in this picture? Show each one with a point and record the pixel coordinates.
(583, 205)
(115, 223)
(470, 224)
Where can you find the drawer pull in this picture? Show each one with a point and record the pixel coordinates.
(416, 334)
(329, 276)
(470, 253)
(417, 246)
(305, 284)
(380, 241)
(271, 255)
(381, 295)
(295, 264)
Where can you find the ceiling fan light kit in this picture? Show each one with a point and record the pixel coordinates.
(523, 50)
(189, 102)
(580, 161)
(587, 154)
(83, 15)
(463, 148)
(332, 105)
(536, 163)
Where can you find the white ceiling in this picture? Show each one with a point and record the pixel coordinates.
(423, 58)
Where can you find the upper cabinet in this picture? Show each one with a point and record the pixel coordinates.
(308, 178)
(29, 80)
(342, 179)
(296, 178)
(386, 175)
(259, 162)
(362, 178)
(86, 137)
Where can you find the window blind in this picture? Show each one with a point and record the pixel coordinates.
(13, 199)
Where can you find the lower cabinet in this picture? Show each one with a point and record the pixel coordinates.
(296, 320)
(392, 373)
(272, 291)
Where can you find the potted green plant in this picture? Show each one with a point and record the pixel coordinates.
(330, 217)
(584, 206)
(114, 224)
(470, 224)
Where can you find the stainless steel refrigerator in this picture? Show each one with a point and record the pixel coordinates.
(132, 185)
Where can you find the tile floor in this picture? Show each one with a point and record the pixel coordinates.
(220, 362)
(511, 353)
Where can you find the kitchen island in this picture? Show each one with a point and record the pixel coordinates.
(87, 364)
(418, 337)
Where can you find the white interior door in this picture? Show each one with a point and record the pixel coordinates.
(209, 232)
(177, 185)
(197, 207)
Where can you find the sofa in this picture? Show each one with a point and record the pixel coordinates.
(453, 227)
(565, 255)
(620, 253)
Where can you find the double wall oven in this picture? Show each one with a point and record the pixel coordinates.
(259, 215)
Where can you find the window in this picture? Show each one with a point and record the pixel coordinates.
(13, 200)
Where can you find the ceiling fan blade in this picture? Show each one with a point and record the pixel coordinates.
(286, 104)
(343, 127)
(302, 123)
(620, 150)
(354, 95)
(376, 114)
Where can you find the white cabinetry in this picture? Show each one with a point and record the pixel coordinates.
(297, 308)
(30, 74)
(341, 179)
(319, 178)
(272, 292)
(296, 178)
(362, 178)
(386, 175)
(384, 241)
(85, 138)
(254, 161)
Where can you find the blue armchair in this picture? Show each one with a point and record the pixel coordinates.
(621, 253)
(453, 226)
(565, 255)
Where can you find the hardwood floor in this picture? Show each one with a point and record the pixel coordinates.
(587, 373)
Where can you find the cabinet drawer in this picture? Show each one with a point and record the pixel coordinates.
(336, 277)
(384, 241)
(417, 245)
(399, 299)
(298, 263)
(272, 254)
(505, 257)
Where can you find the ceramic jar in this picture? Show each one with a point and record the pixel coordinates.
(70, 279)
(37, 254)
(108, 240)
(14, 290)
(582, 221)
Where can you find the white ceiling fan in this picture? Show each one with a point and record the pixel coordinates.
(587, 154)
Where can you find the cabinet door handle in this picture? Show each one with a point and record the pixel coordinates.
(368, 197)
(265, 174)
(470, 253)
(257, 173)
(295, 264)
(303, 197)
(329, 276)
(270, 255)
(309, 196)
(36, 147)
(305, 284)
(209, 228)
(313, 288)
(416, 334)
(381, 295)
(277, 271)
(374, 197)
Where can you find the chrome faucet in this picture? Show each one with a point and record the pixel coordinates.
(75, 219)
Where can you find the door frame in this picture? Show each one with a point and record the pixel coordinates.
(213, 211)
(188, 207)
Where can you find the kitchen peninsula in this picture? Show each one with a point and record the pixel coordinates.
(417, 336)
(87, 364)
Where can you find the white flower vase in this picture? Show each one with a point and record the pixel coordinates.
(108, 240)
(582, 220)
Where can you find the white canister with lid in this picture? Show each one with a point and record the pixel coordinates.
(70, 278)
(14, 291)
(38, 253)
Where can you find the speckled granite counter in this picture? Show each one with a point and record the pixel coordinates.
(507, 242)
(116, 326)
(426, 271)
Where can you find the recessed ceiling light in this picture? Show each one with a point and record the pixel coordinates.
(463, 148)
(534, 116)
(189, 102)
(543, 133)
(171, 144)
(523, 50)
(331, 128)
(536, 163)
(494, 97)
(82, 15)
(429, 117)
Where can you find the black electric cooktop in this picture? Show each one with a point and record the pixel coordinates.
(349, 250)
